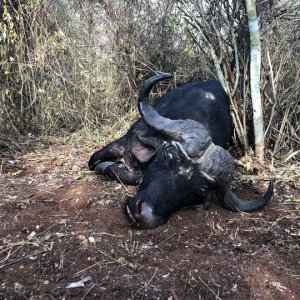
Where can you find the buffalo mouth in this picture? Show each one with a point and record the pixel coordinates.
(132, 216)
(141, 214)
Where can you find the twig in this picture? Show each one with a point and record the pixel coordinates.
(46, 230)
(109, 234)
(11, 253)
(291, 156)
(8, 114)
(7, 256)
(217, 297)
(122, 261)
(20, 259)
(83, 297)
(44, 191)
(145, 285)
(160, 243)
(89, 267)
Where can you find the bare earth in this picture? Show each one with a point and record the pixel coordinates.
(61, 224)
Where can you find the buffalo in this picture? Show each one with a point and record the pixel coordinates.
(176, 153)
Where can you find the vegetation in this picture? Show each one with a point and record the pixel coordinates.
(72, 65)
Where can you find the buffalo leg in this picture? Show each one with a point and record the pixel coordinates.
(112, 151)
(119, 172)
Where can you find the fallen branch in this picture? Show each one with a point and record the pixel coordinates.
(20, 259)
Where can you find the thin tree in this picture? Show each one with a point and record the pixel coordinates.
(255, 66)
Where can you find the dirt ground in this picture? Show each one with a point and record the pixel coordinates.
(63, 236)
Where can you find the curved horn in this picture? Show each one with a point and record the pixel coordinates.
(148, 113)
(149, 83)
(154, 119)
(234, 203)
(192, 134)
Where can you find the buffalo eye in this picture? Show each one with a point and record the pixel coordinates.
(169, 157)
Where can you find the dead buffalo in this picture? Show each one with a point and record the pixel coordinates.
(176, 152)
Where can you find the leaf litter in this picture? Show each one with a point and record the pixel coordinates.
(63, 234)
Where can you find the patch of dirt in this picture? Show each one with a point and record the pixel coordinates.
(61, 224)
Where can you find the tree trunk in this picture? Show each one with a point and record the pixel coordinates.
(255, 64)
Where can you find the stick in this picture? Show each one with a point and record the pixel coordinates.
(95, 264)
(20, 259)
(145, 285)
(83, 297)
(217, 297)
(160, 243)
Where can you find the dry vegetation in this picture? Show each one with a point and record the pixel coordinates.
(70, 74)
(72, 65)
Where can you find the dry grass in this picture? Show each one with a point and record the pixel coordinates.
(77, 66)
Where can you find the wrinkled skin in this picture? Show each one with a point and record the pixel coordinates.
(176, 152)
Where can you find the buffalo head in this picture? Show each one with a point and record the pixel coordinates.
(187, 169)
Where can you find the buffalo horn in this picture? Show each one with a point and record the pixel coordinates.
(193, 135)
(234, 203)
(177, 130)
(149, 83)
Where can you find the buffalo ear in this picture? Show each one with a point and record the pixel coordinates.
(144, 148)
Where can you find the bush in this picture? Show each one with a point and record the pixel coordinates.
(69, 65)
